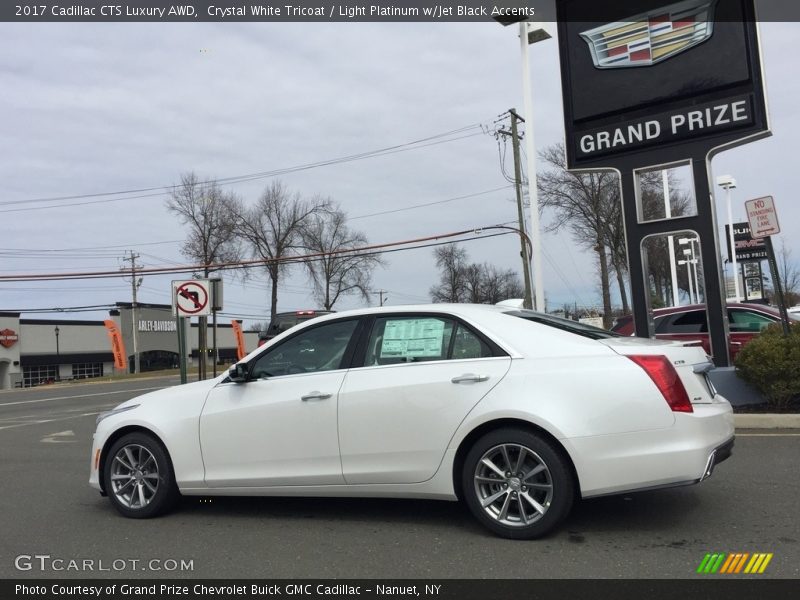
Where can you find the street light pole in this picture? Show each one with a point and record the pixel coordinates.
(689, 277)
(528, 35)
(691, 242)
(670, 239)
(728, 183)
(58, 356)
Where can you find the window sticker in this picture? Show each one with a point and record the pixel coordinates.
(412, 338)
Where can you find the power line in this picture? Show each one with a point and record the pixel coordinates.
(427, 241)
(143, 192)
(396, 210)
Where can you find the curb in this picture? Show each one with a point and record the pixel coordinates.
(767, 421)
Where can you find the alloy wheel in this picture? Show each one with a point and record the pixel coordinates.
(134, 476)
(513, 485)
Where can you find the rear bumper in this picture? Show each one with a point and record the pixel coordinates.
(683, 454)
(720, 454)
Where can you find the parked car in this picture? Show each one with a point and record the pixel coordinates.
(690, 323)
(794, 310)
(285, 321)
(513, 412)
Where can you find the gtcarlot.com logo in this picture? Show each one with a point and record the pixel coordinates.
(46, 562)
(735, 562)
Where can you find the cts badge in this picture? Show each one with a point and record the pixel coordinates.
(649, 38)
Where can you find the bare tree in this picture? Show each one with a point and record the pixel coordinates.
(273, 230)
(590, 207)
(499, 285)
(461, 281)
(208, 210)
(585, 203)
(452, 262)
(337, 272)
(789, 273)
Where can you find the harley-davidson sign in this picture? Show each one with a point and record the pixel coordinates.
(8, 338)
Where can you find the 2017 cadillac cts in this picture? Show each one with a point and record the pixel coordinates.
(513, 412)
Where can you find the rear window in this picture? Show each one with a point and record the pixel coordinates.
(581, 329)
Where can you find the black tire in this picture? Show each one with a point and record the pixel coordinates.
(524, 507)
(151, 478)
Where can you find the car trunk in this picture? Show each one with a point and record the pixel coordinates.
(690, 361)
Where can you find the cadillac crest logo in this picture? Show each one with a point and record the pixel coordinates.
(652, 37)
(8, 338)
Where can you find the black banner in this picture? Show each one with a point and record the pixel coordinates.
(505, 11)
(712, 588)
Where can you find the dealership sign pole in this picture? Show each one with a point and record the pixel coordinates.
(651, 85)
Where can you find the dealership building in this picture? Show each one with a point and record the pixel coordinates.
(37, 351)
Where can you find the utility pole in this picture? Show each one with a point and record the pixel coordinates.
(135, 283)
(380, 294)
(526, 263)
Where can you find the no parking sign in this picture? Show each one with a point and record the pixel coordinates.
(191, 298)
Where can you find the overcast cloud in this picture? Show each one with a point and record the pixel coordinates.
(91, 108)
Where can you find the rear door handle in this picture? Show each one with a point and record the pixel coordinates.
(469, 378)
(315, 396)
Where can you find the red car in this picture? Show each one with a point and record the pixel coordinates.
(689, 323)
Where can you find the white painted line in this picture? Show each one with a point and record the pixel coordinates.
(768, 435)
(80, 396)
(43, 421)
(53, 437)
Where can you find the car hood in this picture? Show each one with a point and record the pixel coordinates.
(173, 394)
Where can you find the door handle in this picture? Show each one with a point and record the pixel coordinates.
(469, 378)
(315, 396)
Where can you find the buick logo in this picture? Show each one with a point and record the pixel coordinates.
(652, 37)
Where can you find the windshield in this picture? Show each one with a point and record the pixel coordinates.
(588, 331)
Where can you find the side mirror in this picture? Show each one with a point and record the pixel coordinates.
(238, 373)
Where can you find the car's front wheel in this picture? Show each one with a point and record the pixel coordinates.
(517, 483)
(139, 478)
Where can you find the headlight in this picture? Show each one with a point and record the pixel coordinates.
(116, 411)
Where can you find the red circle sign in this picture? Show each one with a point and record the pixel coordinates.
(191, 298)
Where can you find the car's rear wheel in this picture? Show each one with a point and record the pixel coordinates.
(517, 483)
(139, 478)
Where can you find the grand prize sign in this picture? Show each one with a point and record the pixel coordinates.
(657, 84)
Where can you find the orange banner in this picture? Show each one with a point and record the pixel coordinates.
(117, 346)
(241, 352)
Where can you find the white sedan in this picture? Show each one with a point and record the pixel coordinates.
(513, 412)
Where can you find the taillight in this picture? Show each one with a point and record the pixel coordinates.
(666, 379)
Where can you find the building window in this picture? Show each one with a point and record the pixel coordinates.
(39, 374)
(87, 370)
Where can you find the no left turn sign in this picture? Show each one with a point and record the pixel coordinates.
(191, 298)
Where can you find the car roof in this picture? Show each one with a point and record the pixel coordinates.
(454, 309)
(687, 307)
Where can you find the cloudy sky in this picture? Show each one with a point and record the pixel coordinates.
(97, 108)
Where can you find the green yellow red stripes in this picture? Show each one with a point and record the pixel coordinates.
(734, 562)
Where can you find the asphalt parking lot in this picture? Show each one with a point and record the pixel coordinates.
(47, 508)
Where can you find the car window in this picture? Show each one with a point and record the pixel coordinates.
(395, 340)
(748, 321)
(468, 345)
(582, 329)
(693, 321)
(313, 350)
